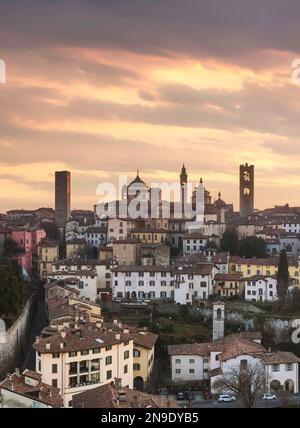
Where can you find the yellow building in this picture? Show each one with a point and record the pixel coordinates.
(153, 236)
(264, 266)
(143, 358)
(75, 247)
(229, 285)
(48, 253)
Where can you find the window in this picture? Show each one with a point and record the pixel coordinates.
(54, 368)
(85, 352)
(108, 348)
(54, 383)
(141, 283)
(289, 367)
(96, 351)
(177, 371)
(191, 370)
(275, 368)
(136, 367)
(126, 369)
(136, 353)
(177, 361)
(126, 355)
(108, 360)
(55, 355)
(108, 374)
(192, 361)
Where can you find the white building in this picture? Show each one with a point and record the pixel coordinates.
(143, 282)
(95, 236)
(102, 268)
(260, 288)
(75, 358)
(194, 243)
(217, 359)
(85, 281)
(193, 280)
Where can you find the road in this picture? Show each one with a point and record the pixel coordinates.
(199, 403)
(38, 324)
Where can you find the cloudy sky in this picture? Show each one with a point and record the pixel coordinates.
(104, 87)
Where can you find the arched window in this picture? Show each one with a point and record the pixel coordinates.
(219, 313)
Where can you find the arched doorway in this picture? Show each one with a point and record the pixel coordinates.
(289, 385)
(138, 383)
(128, 295)
(275, 385)
(133, 295)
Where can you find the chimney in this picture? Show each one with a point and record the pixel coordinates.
(126, 330)
(115, 321)
(47, 346)
(17, 372)
(61, 345)
(63, 334)
(118, 383)
(118, 336)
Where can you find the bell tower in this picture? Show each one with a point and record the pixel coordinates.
(183, 182)
(246, 189)
(218, 320)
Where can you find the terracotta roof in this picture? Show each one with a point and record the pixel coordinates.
(79, 339)
(146, 340)
(109, 396)
(194, 269)
(281, 358)
(229, 277)
(201, 349)
(41, 392)
(138, 268)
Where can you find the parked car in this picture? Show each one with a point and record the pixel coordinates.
(180, 396)
(269, 397)
(226, 398)
(163, 391)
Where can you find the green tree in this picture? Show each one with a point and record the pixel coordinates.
(51, 229)
(230, 242)
(282, 276)
(11, 291)
(252, 246)
(10, 247)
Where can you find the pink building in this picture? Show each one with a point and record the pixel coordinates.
(28, 241)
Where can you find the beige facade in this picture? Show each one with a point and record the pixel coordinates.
(77, 370)
(48, 253)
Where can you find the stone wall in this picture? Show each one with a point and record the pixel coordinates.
(14, 342)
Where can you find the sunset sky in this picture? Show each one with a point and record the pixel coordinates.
(102, 88)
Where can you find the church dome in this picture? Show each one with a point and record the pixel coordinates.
(219, 203)
(137, 181)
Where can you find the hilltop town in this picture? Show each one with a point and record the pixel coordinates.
(149, 311)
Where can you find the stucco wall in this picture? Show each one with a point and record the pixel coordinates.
(13, 343)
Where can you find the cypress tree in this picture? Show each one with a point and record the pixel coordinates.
(282, 276)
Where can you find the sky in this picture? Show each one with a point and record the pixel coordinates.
(102, 88)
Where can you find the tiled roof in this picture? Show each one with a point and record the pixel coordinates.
(79, 339)
(109, 396)
(281, 358)
(41, 392)
(201, 349)
(229, 277)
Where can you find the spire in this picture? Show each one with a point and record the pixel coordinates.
(201, 181)
(137, 172)
(219, 195)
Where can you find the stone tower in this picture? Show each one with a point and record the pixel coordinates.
(183, 184)
(218, 320)
(246, 189)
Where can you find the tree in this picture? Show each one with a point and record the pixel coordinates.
(10, 247)
(11, 291)
(252, 246)
(282, 276)
(51, 229)
(230, 242)
(248, 382)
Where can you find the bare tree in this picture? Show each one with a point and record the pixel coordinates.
(246, 381)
